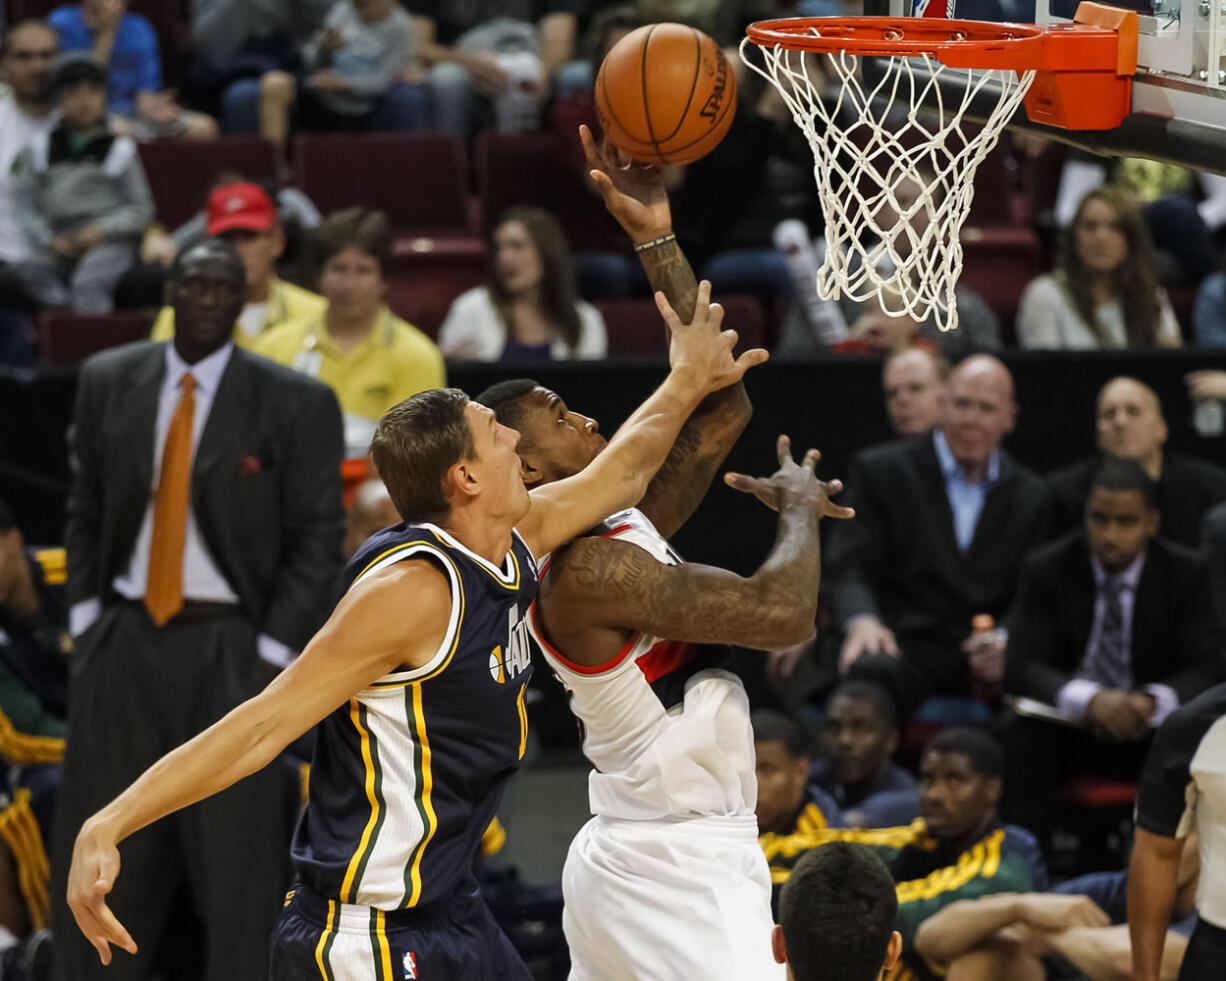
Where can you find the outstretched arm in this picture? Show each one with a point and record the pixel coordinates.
(701, 358)
(634, 194)
(600, 589)
(358, 645)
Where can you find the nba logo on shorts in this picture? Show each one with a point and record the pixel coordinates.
(410, 966)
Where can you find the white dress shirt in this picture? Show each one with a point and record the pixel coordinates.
(1076, 695)
(202, 580)
(966, 499)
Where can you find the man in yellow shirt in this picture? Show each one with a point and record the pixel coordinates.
(246, 217)
(370, 357)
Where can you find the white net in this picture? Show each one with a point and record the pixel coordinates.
(895, 163)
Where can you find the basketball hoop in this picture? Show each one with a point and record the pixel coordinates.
(870, 138)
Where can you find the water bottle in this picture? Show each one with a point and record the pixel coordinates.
(1208, 418)
(983, 624)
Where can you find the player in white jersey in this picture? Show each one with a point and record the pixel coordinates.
(667, 881)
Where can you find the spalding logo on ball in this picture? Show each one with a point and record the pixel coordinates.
(665, 93)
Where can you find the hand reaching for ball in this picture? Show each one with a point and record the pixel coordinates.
(633, 192)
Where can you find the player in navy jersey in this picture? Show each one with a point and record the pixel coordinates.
(418, 679)
(636, 636)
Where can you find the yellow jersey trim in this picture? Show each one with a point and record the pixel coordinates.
(321, 947)
(385, 952)
(427, 787)
(368, 763)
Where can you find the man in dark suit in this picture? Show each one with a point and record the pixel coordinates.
(204, 536)
(1113, 627)
(942, 524)
(1213, 544)
(1130, 425)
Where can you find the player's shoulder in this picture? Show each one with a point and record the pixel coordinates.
(1188, 724)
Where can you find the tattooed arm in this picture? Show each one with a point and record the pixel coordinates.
(636, 197)
(600, 590)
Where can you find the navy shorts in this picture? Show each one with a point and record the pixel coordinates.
(318, 939)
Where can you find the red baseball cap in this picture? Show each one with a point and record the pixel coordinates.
(243, 206)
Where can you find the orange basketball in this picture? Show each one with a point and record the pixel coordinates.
(665, 93)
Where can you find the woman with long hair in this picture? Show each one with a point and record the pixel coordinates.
(1105, 292)
(529, 309)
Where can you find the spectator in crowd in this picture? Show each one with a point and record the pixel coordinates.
(1130, 425)
(186, 600)
(370, 357)
(529, 311)
(128, 46)
(1209, 313)
(370, 510)
(860, 738)
(942, 525)
(1213, 538)
(245, 216)
(788, 802)
(26, 54)
(1005, 936)
(1115, 628)
(81, 196)
(1105, 293)
(501, 52)
(958, 850)
(915, 382)
(1182, 790)
(350, 66)
(836, 917)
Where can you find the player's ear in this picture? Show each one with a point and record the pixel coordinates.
(893, 950)
(462, 480)
(778, 948)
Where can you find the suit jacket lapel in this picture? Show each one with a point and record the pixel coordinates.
(1082, 593)
(140, 412)
(997, 506)
(934, 486)
(1147, 615)
(226, 415)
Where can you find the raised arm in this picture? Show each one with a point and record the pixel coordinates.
(634, 194)
(359, 644)
(701, 358)
(600, 589)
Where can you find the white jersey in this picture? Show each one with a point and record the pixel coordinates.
(665, 724)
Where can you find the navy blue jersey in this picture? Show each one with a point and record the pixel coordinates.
(408, 773)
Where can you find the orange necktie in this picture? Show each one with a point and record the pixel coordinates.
(164, 589)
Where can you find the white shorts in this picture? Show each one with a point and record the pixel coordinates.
(668, 901)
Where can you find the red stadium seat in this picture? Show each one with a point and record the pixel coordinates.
(430, 274)
(181, 174)
(998, 262)
(536, 169)
(67, 338)
(419, 179)
(635, 327)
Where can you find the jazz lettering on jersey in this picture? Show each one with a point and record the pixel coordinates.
(508, 660)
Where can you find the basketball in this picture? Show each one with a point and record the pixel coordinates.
(665, 93)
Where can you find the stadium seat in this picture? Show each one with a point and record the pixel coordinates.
(534, 169)
(419, 179)
(635, 327)
(428, 281)
(1093, 825)
(67, 338)
(181, 174)
(998, 262)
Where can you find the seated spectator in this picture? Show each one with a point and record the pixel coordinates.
(81, 196)
(958, 850)
(1209, 313)
(529, 311)
(128, 46)
(942, 525)
(1115, 628)
(1105, 293)
(27, 51)
(788, 803)
(370, 510)
(370, 357)
(915, 382)
(350, 66)
(1130, 425)
(245, 216)
(836, 917)
(488, 55)
(1004, 936)
(860, 738)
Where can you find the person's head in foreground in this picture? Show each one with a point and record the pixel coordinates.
(206, 287)
(1121, 513)
(836, 916)
(982, 411)
(782, 767)
(555, 442)
(961, 775)
(443, 456)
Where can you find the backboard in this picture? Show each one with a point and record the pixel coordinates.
(1179, 91)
